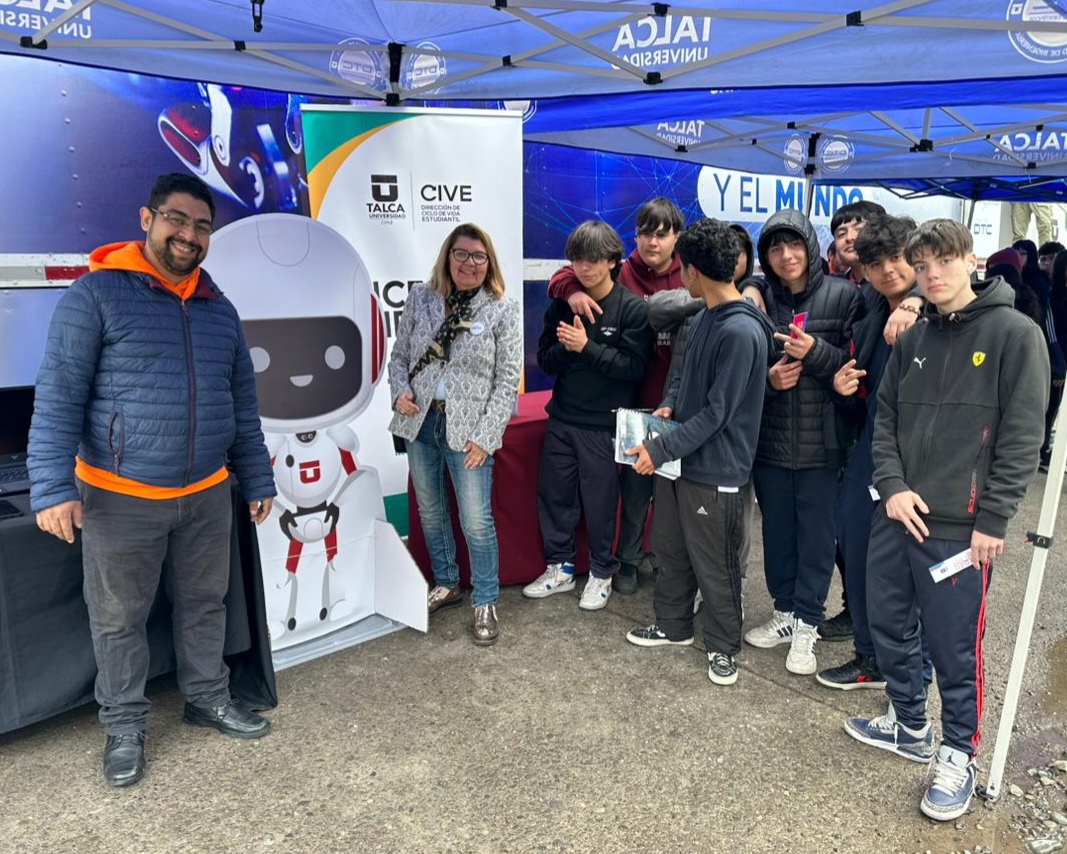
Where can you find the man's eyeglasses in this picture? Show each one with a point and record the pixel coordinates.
(461, 255)
(180, 220)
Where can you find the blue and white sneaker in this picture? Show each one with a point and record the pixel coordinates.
(950, 792)
(557, 578)
(886, 733)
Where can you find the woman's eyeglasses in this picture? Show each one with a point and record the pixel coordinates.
(462, 255)
(180, 220)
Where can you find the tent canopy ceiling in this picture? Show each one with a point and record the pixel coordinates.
(747, 84)
(518, 49)
(946, 149)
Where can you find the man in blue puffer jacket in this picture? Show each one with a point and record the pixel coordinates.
(146, 393)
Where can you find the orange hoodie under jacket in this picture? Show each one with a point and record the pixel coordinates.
(129, 256)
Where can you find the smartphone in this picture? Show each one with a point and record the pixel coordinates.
(800, 320)
(8, 510)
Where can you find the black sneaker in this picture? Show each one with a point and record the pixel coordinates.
(837, 628)
(722, 670)
(625, 581)
(652, 636)
(861, 672)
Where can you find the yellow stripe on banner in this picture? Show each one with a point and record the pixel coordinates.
(321, 176)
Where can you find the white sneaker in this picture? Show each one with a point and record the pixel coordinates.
(801, 658)
(596, 594)
(557, 578)
(777, 630)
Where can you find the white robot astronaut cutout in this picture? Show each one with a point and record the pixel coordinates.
(317, 341)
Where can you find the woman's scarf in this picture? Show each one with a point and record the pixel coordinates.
(457, 319)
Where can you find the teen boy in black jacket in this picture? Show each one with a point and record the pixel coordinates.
(802, 441)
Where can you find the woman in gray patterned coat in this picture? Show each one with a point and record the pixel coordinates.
(453, 374)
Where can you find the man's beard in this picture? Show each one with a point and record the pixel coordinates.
(179, 265)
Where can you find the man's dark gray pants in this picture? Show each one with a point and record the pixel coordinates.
(697, 534)
(130, 544)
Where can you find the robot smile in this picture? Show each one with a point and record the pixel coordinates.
(302, 380)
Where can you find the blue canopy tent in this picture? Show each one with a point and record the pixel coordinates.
(1006, 152)
(838, 91)
(785, 55)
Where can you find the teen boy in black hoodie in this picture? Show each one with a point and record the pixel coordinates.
(960, 420)
(879, 248)
(699, 524)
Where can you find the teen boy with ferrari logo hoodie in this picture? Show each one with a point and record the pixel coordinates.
(960, 421)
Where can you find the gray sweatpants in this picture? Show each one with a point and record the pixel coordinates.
(128, 545)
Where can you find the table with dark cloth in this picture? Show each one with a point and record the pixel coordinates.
(514, 502)
(46, 651)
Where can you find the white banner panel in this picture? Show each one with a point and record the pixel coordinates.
(395, 182)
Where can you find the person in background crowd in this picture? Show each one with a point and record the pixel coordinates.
(145, 395)
(834, 265)
(453, 375)
(845, 226)
(955, 445)
(599, 368)
(1046, 254)
(699, 527)
(1020, 220)
(1058, 312)
(880, 247)
(650, 269)
(1038, 280)
(1008, 265)
(802, 440)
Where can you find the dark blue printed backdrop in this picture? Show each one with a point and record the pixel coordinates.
(82, 146)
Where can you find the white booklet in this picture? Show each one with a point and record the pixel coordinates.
(634, 427)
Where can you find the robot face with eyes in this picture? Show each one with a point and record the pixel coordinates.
(310, 317)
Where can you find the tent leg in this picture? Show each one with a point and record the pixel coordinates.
(970, 215)
(809, 196)
(1046, 524)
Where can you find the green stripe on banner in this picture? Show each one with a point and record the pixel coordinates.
(327, 130)
(396, 512)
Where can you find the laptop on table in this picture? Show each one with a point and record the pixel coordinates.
(16, 410)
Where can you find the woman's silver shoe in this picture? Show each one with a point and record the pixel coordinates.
(485, 627)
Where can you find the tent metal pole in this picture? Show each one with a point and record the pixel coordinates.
(970, 214)
(1042, 543)
(809, 196)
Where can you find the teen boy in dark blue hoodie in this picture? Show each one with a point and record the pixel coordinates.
(698, 529)
(880, 249)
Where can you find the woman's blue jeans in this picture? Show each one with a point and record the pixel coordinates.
(429, 456)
